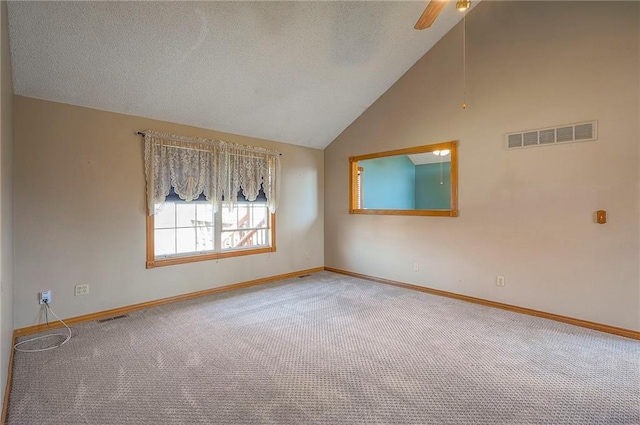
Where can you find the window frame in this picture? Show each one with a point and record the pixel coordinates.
(354, 208)
(152, 262)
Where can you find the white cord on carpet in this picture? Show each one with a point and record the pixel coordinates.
(68, 337)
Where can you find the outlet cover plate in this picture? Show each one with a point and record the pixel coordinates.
(81, 290)
(44, 297)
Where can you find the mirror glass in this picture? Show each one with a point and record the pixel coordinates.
(415, 181)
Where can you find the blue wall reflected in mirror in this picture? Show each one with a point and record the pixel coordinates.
(414, 181)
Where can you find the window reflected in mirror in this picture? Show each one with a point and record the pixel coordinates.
(414, 181)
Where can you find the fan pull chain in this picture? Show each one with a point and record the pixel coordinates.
(464, 60)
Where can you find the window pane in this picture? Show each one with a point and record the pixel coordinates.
(186, 214)
(164, 242)
(165, 217)
(260, 238)
(244, 215)
(244, 239)
(259, 216)
(204, 238)
(204, 214)
(186, 239)
(229, 218)
(247, 239)
(229, 240)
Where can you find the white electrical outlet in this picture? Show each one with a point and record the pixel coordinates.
(416, 267)
(82, 290)
(45, 297)
(500, 280)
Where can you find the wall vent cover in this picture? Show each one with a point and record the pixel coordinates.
(569, 133)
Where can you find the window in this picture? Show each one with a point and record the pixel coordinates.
(183, 228)
(192, 231)
(189, 218)
(245, 226)
(421, 180)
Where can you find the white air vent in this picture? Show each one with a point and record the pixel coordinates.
(581, 132)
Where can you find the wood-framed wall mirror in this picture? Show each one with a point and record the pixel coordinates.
(422, 180)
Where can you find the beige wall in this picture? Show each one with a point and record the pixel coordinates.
(80, 213)
(526, 214)
(6, 206)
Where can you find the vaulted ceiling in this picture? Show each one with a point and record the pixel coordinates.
(294, 72)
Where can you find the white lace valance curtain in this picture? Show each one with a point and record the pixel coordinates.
(217, 169)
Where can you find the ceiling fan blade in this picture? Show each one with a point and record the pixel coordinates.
(430, 14)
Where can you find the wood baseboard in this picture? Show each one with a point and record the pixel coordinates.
(570, 320)
(7, 389)
(134, 307)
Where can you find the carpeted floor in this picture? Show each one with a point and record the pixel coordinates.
(329, 349)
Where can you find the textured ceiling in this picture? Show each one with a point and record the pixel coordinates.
(294, 72)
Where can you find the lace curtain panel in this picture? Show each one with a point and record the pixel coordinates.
(217, 169)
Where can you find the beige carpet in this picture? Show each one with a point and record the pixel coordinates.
(329, 349)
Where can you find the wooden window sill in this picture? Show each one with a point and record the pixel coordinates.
(170, 261)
